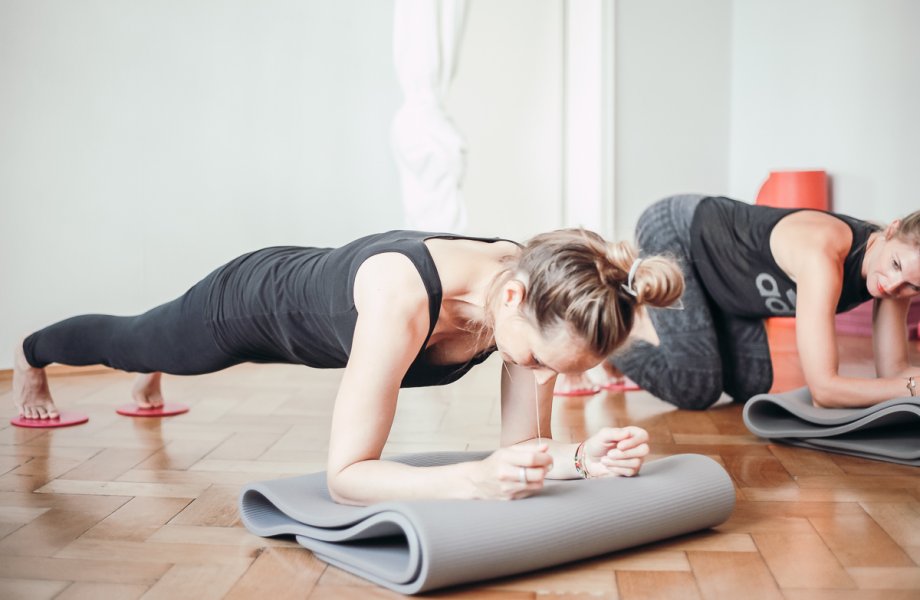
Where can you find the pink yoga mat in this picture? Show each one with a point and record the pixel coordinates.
(858, 321)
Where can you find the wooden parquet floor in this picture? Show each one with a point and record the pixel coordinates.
(131, 508)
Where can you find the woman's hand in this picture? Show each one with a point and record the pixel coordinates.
(512, 473)
(616, 451)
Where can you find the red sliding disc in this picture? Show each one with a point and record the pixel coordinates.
(577, 392)
(622, 385)
(65, 419)
(167, 410)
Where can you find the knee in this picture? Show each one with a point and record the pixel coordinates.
(688, 384)
(694, 391)
(759, 380)
(688, 390)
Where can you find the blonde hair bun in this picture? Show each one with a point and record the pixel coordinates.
(658, 281)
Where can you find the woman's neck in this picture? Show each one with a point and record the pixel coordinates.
(468, 273)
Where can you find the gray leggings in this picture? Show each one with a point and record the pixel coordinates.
(702, 350)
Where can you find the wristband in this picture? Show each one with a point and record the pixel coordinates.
(581, 466)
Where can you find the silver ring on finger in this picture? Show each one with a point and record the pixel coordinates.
(523, 475)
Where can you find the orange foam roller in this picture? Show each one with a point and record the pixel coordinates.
(795, 189)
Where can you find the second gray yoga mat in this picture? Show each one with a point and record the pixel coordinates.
(887, 431)
(416, 546)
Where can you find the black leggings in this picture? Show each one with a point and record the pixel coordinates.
(702, 351)
(175, 338)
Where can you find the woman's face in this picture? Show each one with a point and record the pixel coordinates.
(520, 342)
(893, 269)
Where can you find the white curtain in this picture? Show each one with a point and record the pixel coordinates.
(430, 151)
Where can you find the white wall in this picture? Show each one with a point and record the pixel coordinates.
(673, 104)
(144, 143)
(831, 84)
(507, 101)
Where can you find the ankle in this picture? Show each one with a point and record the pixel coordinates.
(19, 358)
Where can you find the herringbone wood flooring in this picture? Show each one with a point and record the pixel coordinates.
(129, 508)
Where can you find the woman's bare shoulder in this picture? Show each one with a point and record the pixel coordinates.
(814, 230)
(390, 283)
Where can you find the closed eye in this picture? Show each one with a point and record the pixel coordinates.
(536, 363)
(533, 362)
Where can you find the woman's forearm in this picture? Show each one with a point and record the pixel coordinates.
(563, 454)
(858, 392)
(372, 481)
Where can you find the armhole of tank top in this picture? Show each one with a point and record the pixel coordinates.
(855, 226)
(432, 294)
(850, 222)
(790, 211)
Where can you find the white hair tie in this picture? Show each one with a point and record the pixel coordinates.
(628, 288)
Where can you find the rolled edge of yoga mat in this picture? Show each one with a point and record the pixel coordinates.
(448, 542)
(793, 414)
(885, 431)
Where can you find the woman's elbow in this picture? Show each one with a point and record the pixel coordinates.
(822, 396)
(338, 489)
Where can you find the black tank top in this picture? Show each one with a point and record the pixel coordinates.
(291, 304)
(730, 249)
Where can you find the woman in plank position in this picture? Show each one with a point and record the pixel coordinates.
(399, 309)
(743, 263)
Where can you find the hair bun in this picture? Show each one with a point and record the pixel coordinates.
(658, 281)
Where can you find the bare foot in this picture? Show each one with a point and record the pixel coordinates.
(146, 391)
(30, 389)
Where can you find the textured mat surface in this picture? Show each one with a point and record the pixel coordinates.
(416, 546)
(887, 431)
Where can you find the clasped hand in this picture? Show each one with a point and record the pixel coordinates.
(616, 451)
(520, 471)
(513, 473)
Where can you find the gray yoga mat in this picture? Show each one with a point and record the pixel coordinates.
(888, 431)
(416, 546)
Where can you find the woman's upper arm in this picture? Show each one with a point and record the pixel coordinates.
(392, 325)
(522, 402)
(811, 248)
(818, 283)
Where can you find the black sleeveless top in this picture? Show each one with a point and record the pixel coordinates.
(291, 304)
(730, 249)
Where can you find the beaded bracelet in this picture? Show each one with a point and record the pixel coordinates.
(581, 466)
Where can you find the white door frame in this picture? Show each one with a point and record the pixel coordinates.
(588, 115)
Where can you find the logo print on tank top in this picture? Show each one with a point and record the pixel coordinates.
(773, 299)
